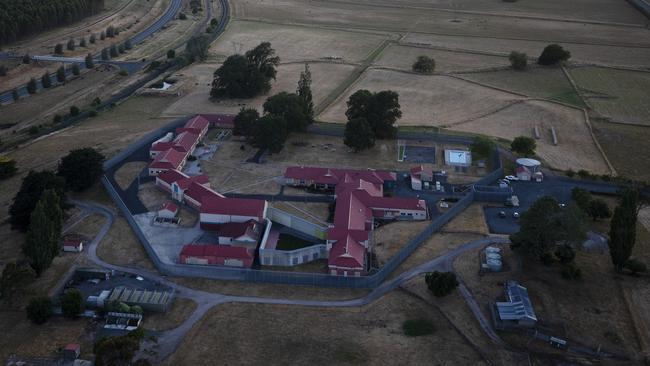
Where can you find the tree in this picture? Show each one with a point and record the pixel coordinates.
(38, 242)
(482, 147)
(270, 133)
(92, 39)
(441, 283)
(518, 60)
(424, 65)
(15, 276)
(72, 303)
(565, 254)
(246, 76)
(291, 108)
(182, 16)
(75, 70)
(54, 213)
(7, 167)
(304, 92)
(82, 42)
(70, 45)
(553, 54)
(171, 54)
(581, 197)
(3, 70)
(89, 61)
(27, 59)
(381, 110)
(113, 51)
(46, 81)
(546, 225)
(102, 35)
(57, 119)
(120, 48)
(31, 190)
(118, 350)
(245, 122)
(622, 232)
(128, 44)
(105, 55)
(14, 95)
(39, 309)
(31, 86)
(635, 266)
(523, 145)
(359, 135)
(110, 31)
(81, 168)
(598, 209)
(58, 49)
(60, 75)
(196, 48)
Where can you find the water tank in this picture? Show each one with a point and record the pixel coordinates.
(493, 250)
(493, 256)
(494, 265)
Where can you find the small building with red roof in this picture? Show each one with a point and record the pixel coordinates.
(167, 160)
(216, 254)
(169, 210)
(221, 210)
(329, 178)
(73, 245)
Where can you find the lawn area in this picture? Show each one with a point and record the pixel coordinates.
(622, 95)
(626, 147)
(541, 82)
(289, 242)
(418, 327)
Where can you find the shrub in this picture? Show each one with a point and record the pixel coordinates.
(128, 44)
(39, 309)
(58, 49)
(72, 303)
(74, 110)
(57, 119)
(182, 16)
(171, 54)
(70, 45)
(523, 145)
(46, 81)
(123, 73)
(31, 86)
(82, 42)
(571, 272)
(570, 173)
(518, 60)
(60, 74)
(75, 70)
(191, 158)
(418, 327)
(14, 95)
(92, 38)
(635, 266)
(27, 59)
(424, 65)
(553, 54)
(97, 101)
(441, 283)
(102, 35)
(92, 113)
(583, 174)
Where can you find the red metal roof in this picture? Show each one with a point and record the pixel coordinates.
(199, 193)
(236, 229)
(170, 159)
(199, 122)
(171, 176)
(347, 253)
(185, 141)
(72, 347)
(161, 146)
(334, 176)
(233, 206)
(170, 206)
(216, 250)
(223, 120)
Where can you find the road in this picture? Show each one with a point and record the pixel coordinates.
(169, 341)
(170, 14)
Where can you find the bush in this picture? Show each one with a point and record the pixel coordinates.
(191, 158)
(74, 110)
(418, 327)
(39, 309)
(570, 173)
(82, 42)
(75, 70)
(571, 272)
(57, 119)
(123, 73)
(583, 174)
(524, 145)
(518, 60)
(92, 113)
(31, 86)
(70, 45)
(92, 38)
(7, 169)
(27, 59)
(14, 95)
(553, 54)
(58, 49)
(171, 54)
(635, 266)
(424, 65)
(182, 16)
(72, 303)
(33, 130)
(441, 283)
(97, 101)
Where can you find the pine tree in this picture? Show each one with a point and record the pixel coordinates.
(45, 80)
(52, 208)
(622, 233)
(102, 35)
(70, 45)
(38, 243)
(114, 51)
(82, 42)
(89, 61)
(92, 38)
(15, 95)
(58, 49)
(31, 86)
(304, 92)
(105, 54)
(128, 45)
(60, 75)
(75, 69)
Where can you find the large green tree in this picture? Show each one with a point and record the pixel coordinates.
(39, 240)
(72, 303)
(120, 350)
(481, 148)
(197, 48)
(524, 145)
(270, 133)
(359, 135)
(39, 309)
(81, 168)
(553, 54)
(245, 121)
(15, 276)
(290, 107)
(441, 283)
(622, 232)
(424, 65)
(304, 92)
(31, 190)
(245, 76)
(381, 110)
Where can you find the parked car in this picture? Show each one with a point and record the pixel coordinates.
(511, 177)
(502, 214)
(515, 215)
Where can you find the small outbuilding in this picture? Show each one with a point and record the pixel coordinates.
(517, 311)
(168, 211)
(529, 169)
(71, 351)
(73, 245)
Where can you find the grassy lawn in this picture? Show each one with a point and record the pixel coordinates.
(418, 327)
(288, 242)
(626, 147)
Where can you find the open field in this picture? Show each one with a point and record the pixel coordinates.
(128, 172)
(575, 150)
(326, 77)
(626, 147)
(297, 43)
(371, 335)
(621, 95)
(472, 220)
(390, 238)
(121, 247)
(541, 82)
(402, 57)
(426, 100)
(181, 309)
(312, 212)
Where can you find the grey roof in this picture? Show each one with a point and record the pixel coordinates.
(518, 306)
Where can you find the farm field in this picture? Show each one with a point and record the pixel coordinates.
(402, 57)
(626, 147)
(426, 100)
(540, 82)
(372, 335)
(298, 43)
(576, 148)
(620, 95)
(326, 77)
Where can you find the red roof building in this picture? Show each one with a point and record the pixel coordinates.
(219, 210)
(186, 142)
(167, 160)
(215, 254)
(168, 210)
(329, 177)
(220, 120)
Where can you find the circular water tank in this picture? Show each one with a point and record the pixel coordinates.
(493, 256)
(528, 163)
(494, 265)
(493, 250)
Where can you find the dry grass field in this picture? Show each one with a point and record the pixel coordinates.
(279, 335)
(620, 95)
(390, 238)
(128, 172)
(181, 309)
(576, 148)
(402, 57)
(426, 100)
(626, 147)
(121, 247)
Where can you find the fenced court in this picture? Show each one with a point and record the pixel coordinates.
(415, 153)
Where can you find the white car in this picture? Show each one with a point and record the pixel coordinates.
(511, 177)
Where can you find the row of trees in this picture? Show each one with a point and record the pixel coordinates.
(552, 54)
(25, 17)
(71, 44)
